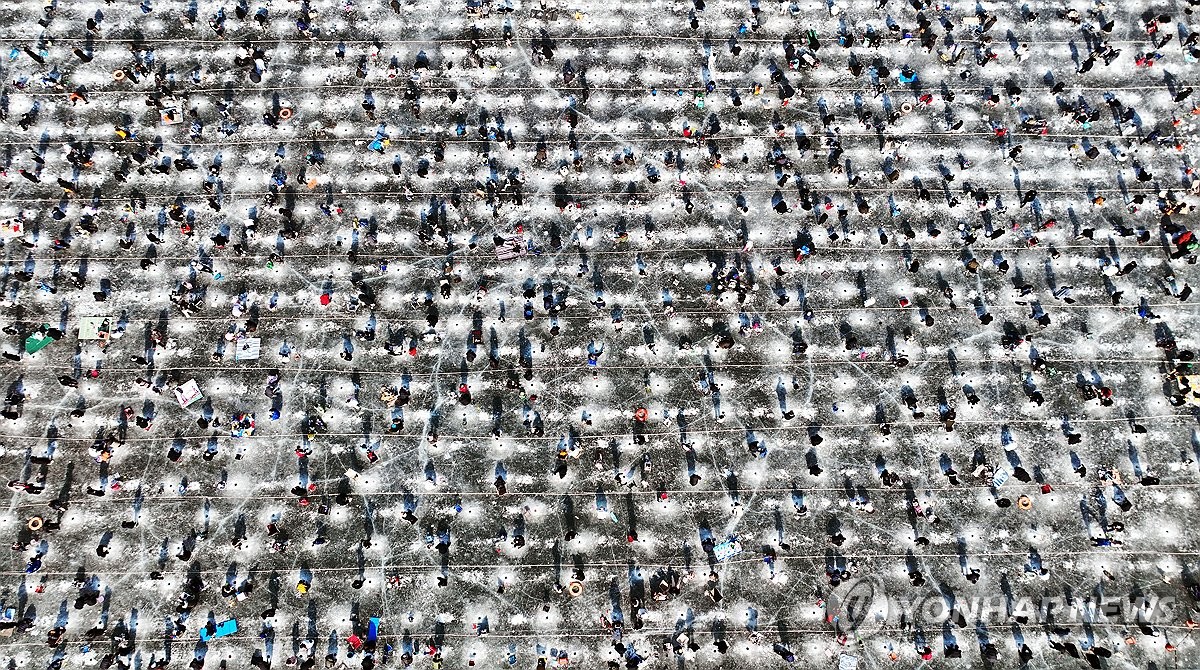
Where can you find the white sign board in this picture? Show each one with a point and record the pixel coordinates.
(188, 393)
(170, 113)
(93, 328)
(247, 349)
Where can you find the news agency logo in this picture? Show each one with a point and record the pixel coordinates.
(863, 608)
(936, 609)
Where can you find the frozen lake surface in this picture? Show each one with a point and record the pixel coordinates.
(719, 333)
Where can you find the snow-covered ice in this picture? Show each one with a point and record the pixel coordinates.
(525, 333)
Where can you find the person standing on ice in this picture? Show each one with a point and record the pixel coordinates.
(593, 357)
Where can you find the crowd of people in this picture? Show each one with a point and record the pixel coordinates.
(806, 274)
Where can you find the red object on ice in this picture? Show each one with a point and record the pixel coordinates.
(355, 641)
(326, 299)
